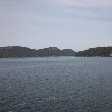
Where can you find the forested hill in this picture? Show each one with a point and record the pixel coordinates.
(18, 51)
(98, 51)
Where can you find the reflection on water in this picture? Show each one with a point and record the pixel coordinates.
(56, 84)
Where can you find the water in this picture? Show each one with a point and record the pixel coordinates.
(56, 84)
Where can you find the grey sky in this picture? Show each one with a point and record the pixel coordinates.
(76, 24)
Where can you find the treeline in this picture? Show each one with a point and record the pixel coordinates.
(98, 51)
(18, 51)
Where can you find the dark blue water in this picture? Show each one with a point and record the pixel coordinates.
(56, 84)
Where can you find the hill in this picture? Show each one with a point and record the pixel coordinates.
(98, 51)
(18, 51)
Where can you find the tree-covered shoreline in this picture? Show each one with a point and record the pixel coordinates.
(18, 51)
(96, 52)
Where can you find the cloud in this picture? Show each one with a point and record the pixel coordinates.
(85, 9)
(83, 2)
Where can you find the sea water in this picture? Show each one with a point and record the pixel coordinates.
(56, 84)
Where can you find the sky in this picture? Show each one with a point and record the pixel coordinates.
(73, 24)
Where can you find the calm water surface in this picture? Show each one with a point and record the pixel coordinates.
(56, 84)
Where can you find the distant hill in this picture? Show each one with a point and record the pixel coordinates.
(18, 51)
(98, 51)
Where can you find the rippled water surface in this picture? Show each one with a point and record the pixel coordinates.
(56, 84)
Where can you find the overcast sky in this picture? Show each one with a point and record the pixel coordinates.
(75, 24)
